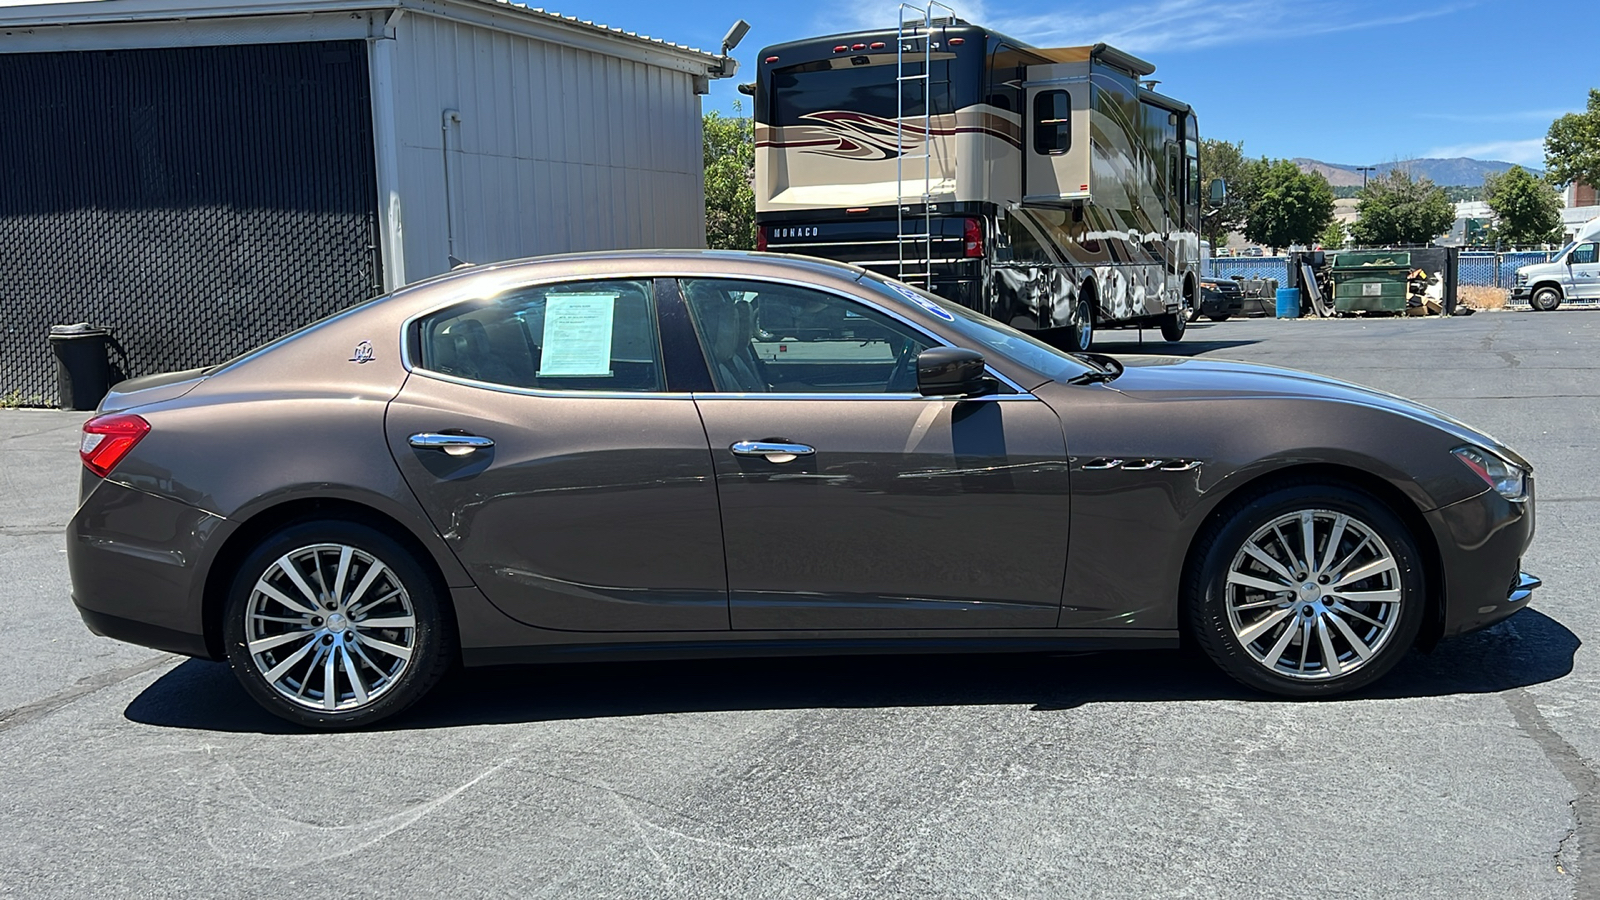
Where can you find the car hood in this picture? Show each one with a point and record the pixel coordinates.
(1178, 379)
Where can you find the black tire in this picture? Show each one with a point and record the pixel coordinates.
(397, 681)
(1208, 594)
(1545, 299)
(1081, 334)
(1173, 325)
(1221, 318)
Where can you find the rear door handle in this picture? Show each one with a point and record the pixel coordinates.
(774, 451)
(453, 444)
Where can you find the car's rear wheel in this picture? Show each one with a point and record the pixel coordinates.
(1309, 590)
(1545, 299)
(333, 624)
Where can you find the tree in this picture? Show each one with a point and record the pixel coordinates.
(1572, 146)
(1332, 237)
(1287, 206)
(1395, 209)
(1221, 159)
(1527, 209)
(730, 161)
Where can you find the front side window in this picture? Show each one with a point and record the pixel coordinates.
(762, 337)
(1052, 122)
(1584, 253)
(575, 336)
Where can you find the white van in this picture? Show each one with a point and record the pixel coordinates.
(1573, 274)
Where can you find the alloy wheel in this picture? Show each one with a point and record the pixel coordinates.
(330, 627)
(1314, 594)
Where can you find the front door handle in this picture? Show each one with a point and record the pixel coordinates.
(453, 444)
(774, 451)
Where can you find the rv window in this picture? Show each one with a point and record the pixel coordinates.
(1585, 253)
(1025, 248)
(1052, 123)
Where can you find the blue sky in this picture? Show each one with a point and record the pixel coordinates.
(1373, 81)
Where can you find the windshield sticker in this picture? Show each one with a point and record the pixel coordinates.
(923, 302)
(577, 335)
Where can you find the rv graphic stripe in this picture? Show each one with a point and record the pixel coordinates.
(854, 135)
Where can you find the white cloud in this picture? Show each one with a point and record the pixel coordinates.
(1528, 152)
(1152, 25)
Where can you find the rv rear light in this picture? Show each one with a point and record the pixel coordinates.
(771, 59)
(857, 210)
(956, 42)
(973, 235)
(841, 48)
(878, 45)
(761, 238)
(107, 439)
(858, 46)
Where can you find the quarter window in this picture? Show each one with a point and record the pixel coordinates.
(1052, 122)
(577, 336)
(761, 337)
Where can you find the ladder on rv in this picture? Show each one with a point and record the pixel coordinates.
(914, 20)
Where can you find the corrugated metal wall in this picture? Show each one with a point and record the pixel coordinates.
(200, 201)
(557, 149)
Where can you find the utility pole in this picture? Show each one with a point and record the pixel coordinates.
(1364, 170)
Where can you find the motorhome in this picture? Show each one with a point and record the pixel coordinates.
(1573, 274)
(1053, 189)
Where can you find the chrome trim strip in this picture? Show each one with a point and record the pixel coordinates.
(1526, 584)
(766, 448)
(540, 392)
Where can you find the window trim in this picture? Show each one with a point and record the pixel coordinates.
(1039, 122)
(409, 338)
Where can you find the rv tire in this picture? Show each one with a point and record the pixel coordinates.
(1545, 299)
(1173, 325)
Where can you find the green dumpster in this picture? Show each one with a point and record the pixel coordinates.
(1370, 281)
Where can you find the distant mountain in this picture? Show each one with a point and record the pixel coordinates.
(1459, 171)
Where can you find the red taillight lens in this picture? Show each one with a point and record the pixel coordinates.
(761, 238)
(107, 439)
(974, 237)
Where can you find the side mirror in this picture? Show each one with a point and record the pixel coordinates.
(1219, 192)
(950, 372)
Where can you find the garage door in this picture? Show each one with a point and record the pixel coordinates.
(199, 201)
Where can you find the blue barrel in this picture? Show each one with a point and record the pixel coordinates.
(1288, 303)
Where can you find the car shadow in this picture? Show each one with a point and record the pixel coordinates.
(1530, 648)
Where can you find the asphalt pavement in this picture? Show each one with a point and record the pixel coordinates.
(1466, 773)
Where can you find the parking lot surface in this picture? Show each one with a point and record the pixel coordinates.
(1466, 773)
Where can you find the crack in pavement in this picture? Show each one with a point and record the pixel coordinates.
(38, 709)
(1581, 776)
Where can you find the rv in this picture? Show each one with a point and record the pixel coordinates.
(1051, 189)
(1573, 274)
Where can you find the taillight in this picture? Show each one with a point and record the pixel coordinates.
(761, 238)
(974, 237)
(107, 439)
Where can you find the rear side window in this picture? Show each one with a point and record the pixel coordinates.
(1052, 122)
(576, 336)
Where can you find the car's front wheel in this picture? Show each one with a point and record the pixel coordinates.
(1545, 299)
(1309, 590)
(333, 624)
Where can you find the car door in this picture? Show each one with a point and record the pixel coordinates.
(1584, 265)
(849, 501)
(541, 434)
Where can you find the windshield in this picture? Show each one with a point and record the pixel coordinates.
(869, 88)
(1562, 253)
(1002, 340)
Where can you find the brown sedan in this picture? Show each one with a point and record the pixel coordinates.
(691, 454)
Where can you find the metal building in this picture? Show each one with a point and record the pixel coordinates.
(203, 175)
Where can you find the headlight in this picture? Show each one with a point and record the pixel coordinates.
(1522, 278)
(1508, 479)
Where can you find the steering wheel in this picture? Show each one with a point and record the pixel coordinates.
(903, 378)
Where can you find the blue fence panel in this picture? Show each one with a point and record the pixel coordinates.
(1511, 262)
(1476, 269)
(1250, 267)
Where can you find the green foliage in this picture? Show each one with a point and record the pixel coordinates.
(1572, 146)
(1332, 237)
(1286, 206)
(11, 400)
(1458, 193)
(1527, 209)
(1395, 209)
(730, 160)
(1220, 159)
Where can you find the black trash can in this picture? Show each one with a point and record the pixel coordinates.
(83, 367)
